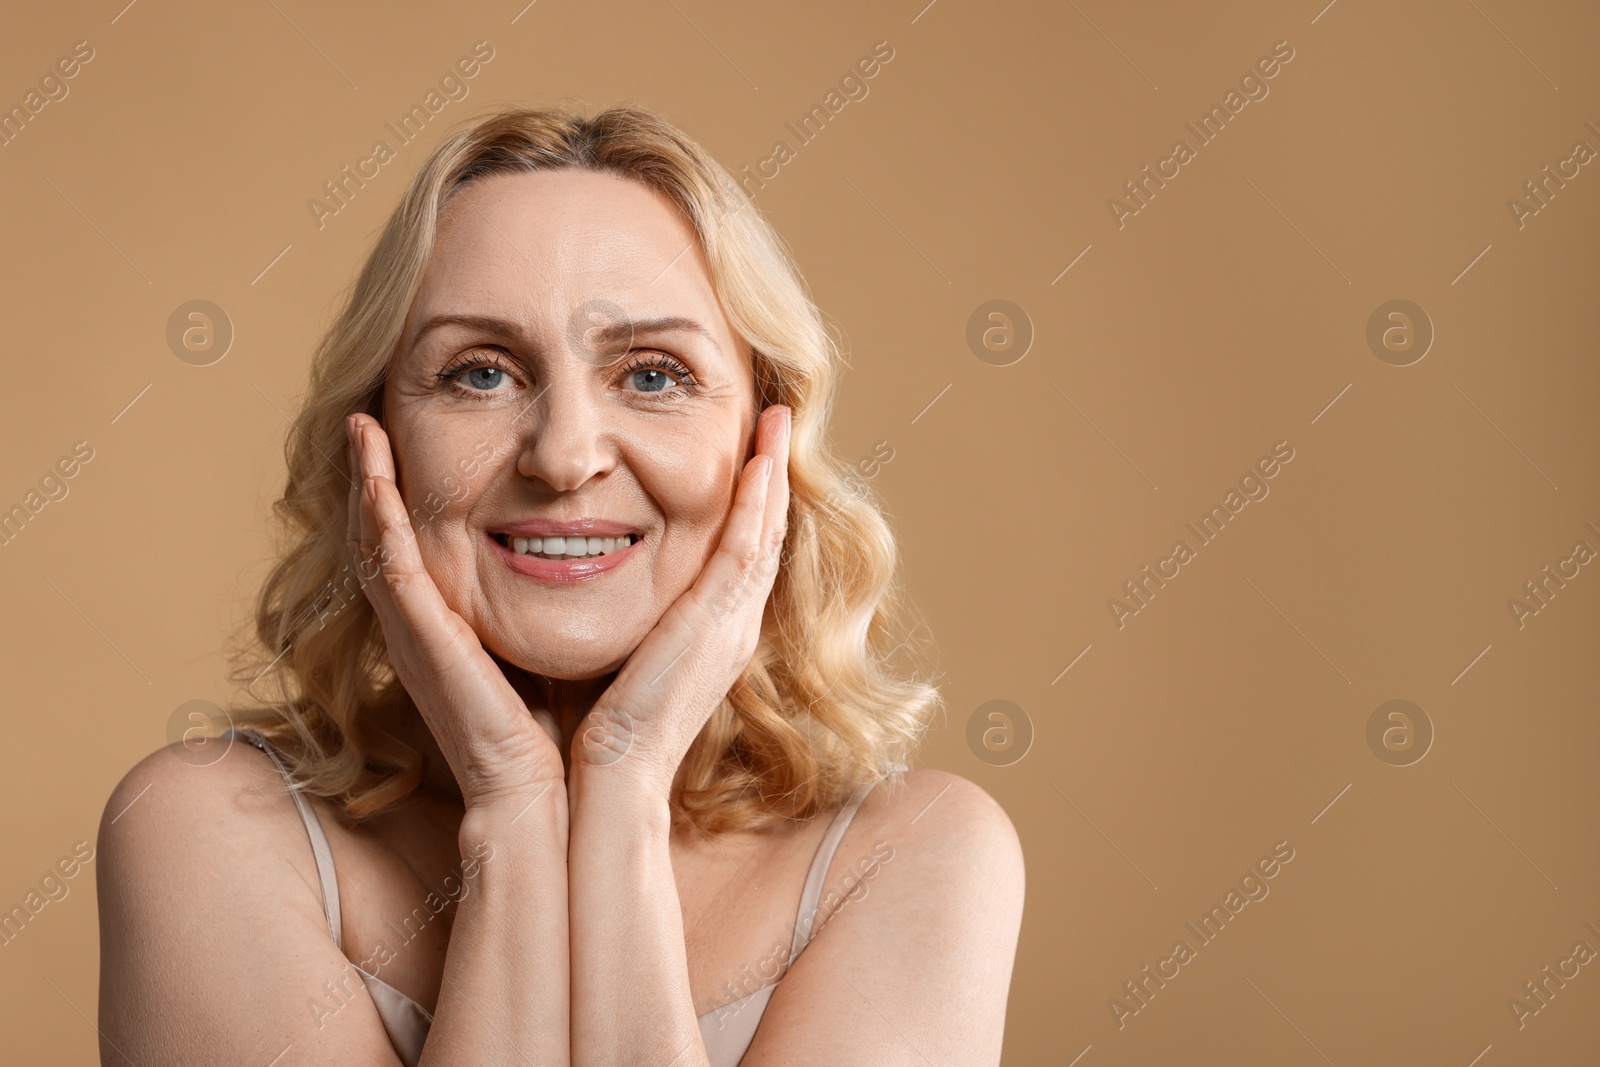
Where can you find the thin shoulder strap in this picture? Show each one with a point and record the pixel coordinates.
(811, 895)
(319, 840)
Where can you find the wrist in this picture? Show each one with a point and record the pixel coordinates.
(538, 810)
(508, 776)
(640, 796)
(610, 753)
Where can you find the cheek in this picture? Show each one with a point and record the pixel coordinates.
(438, 496)
(693, 482)
(438, 515)
(446, 547)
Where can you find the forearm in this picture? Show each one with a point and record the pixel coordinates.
(630, 972)
(504, 995)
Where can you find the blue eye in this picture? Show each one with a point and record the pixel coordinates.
(655, 374)
(477, 377)
(657, 380)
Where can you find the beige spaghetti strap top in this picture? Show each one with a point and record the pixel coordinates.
(727, 1031)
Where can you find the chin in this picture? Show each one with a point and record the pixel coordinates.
(573, 664)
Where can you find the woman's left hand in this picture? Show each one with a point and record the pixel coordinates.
(645, 722)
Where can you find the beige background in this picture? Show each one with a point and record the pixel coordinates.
(1228, 315)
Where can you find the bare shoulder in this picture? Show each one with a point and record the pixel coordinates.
(198, 773)
(958, 830)
(179, 804)
(180, 811)
(917, 933)
(213, 941)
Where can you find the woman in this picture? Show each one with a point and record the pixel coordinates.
(582, 668)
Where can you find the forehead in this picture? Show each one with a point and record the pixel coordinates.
(532, 246)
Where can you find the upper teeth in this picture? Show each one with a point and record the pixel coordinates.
(567, 547)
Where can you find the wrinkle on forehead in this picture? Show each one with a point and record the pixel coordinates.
(543, 242)
(577, 222)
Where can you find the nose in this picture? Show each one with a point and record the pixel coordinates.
(565, 432)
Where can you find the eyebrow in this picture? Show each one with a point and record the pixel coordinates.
(617, 331)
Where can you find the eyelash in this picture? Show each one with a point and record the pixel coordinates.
(450, 374)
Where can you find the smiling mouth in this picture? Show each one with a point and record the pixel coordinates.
(559, 548)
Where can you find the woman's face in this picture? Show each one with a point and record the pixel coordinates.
(566, 367)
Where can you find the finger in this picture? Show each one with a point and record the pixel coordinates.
(405, 583)
(776, 513)
(367, 533)
(748, 553)
(352, 529)
(740, 572)
(741, 537)
(405, 595)
(368, 543)
(377, 456)
(772, 441)
(377, 460)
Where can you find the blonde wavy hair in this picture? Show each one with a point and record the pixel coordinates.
(825, 704)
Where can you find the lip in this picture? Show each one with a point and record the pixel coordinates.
(560, 571)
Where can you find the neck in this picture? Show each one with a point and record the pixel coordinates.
(558, 705)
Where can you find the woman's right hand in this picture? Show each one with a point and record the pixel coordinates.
(495, 747)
